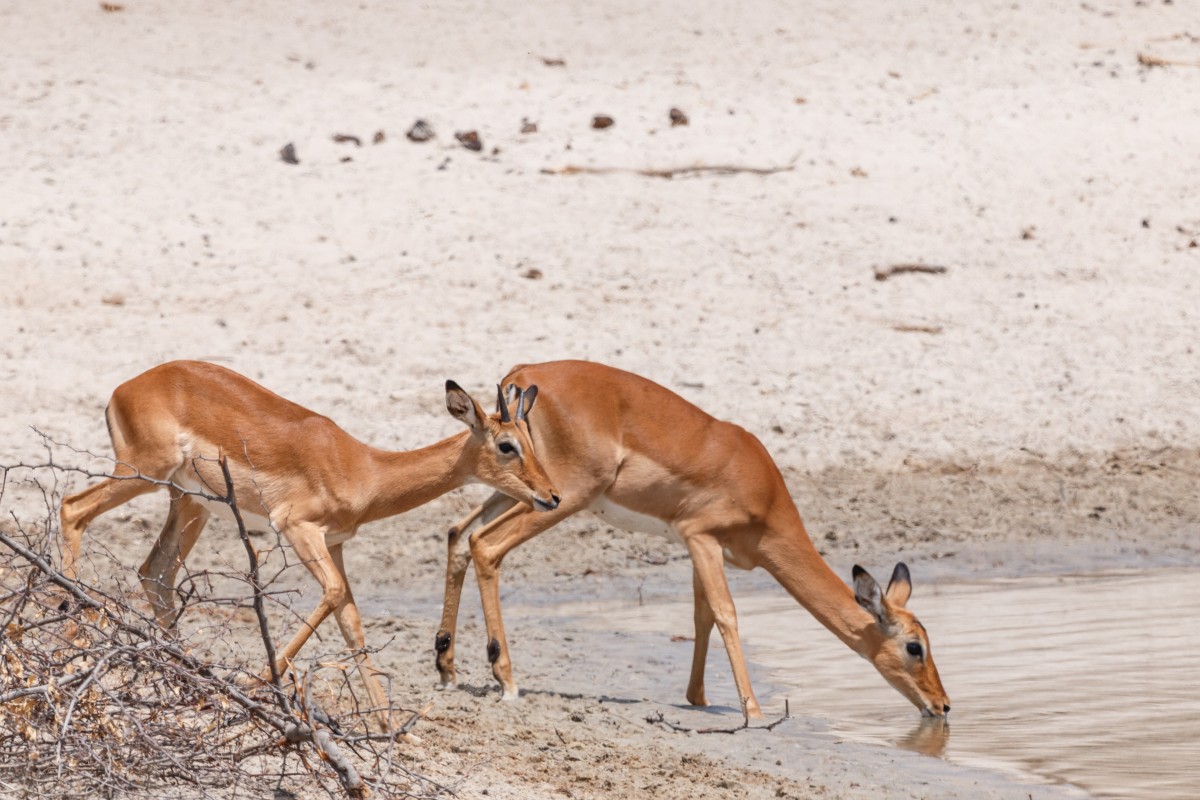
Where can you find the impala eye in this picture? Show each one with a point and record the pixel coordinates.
(914, 649)
(507, 448)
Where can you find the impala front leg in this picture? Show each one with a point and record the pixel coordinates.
(703, 614)
(487, 573)
(709, 572)
(458, 559)
(489, 545)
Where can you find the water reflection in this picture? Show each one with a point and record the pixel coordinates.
(929, 737)
(1091, 680)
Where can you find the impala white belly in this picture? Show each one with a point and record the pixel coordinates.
(254, 522)
(626, 519)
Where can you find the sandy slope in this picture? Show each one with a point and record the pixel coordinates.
(145, 215)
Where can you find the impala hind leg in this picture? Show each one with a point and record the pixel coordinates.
(704, 618)
(708, 565)
(185, 521)
(458, 559)
(79, 510)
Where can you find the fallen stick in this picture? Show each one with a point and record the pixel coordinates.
(900, 269)
(716, 169)
(1147, 60)
(657, 718)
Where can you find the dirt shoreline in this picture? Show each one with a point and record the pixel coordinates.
(580, 728)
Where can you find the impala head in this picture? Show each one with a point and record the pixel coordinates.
(903, 656)
(504, 450)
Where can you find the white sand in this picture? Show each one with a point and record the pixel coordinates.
(145, 214)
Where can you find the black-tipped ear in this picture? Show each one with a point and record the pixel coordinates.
(900, 586)
(525, 403)
(868, 595)
(463, 408)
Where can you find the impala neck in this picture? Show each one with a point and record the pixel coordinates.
(403, 480)
(789, 555)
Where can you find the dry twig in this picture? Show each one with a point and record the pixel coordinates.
(1148, 60)
(882, 274)
(97, 699)
(657, 718)
(697, 169)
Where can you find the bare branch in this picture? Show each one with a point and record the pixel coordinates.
(657, 718)
(122, 707)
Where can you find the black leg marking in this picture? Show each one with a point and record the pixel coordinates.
(442, 642)
(493, 651)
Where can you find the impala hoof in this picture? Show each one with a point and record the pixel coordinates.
(511, 695)
(446, 686)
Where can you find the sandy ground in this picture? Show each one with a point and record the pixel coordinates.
(1032, 407)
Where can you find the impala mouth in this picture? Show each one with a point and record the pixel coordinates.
(543, 505)
(932, 711)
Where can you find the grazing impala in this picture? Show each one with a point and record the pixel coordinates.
(296, 470)
(645, 459)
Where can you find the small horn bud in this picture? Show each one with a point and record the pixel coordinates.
(501, 406)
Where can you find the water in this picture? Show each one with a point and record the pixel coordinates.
(1091, 680)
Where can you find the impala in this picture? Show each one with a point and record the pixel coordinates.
(645, 459)
(293, 470)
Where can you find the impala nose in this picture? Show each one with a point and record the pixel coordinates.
(547, 506)
(946, 708)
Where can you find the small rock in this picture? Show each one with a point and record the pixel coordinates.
(379, 138)
(1028, 233)
(602, 121)
(527, 126)
(420, 132)
(554, 62)
(469, 140)
(343, 138)
(533, 274)
(288, 154)
(113, 299)
(678, 118)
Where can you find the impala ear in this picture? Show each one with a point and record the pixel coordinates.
(868, 595)
(899, 587)
(525, 403)
(463, 408)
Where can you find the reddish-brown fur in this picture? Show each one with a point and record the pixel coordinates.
(608, 436)
(312, 481)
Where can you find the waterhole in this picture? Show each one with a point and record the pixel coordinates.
(1088, 680)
